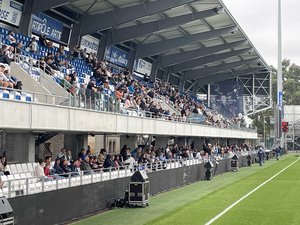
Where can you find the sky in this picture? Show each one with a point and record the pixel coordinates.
(258, 19)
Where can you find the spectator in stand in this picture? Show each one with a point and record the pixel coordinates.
(73, 77)
(62, 154)
(61, 51)
(32, 46)
(3, 163)
(13, 80)
(39, 169)
(101, 156)
(56, 168)
(76, 51)
(18, 49)
(59, 63)
(64, 166)
(11, 39)
(85, 164)
(83, 54)
(10, 53)
(4, 81)
(50, 45)
(42, 40)
(82, 154)
(69, 155)
(3, 57)
(108, 163)
(75, 167)
(93, 163)
(117, 162)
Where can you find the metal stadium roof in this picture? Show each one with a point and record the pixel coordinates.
(197, 39)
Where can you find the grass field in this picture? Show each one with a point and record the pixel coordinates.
(276, 202)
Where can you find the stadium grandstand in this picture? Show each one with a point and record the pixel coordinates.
(93, 90)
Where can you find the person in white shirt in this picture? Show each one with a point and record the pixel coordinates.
(39, 169)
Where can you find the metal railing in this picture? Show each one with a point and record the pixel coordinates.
(32, 185)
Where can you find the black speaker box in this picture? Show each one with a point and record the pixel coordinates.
(139, 176)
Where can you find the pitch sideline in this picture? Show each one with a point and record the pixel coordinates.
(248, 194)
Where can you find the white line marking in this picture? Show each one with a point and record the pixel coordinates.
(245, 196)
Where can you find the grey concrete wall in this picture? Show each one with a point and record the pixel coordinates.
(27, 116)
(65, 204)
(20, 147)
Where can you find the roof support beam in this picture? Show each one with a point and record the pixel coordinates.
(43, 5)
(161, 46)
(170, 60)
(225, 76)
(208, 59)
(94, 23)
(195, 74)
(124, 34)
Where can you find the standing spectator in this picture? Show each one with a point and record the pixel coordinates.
(11, 39)
(76, 51)
(43, 40)
(32, 46)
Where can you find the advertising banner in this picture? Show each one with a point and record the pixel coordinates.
(227, 98)
(43, 24)
(11, 12)
(143, 67)
(116, 56)
(90, 43)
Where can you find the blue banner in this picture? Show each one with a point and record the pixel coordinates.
(227, 98)
(43, 24)
(116, 56)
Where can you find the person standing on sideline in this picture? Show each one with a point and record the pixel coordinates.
(261, 155)
(277, 152)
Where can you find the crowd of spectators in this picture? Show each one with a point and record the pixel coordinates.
(121, 91)
(138, 158)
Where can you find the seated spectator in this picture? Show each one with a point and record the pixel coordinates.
(3, 163)
(75, 167)
(18, 48)
(4, 81)
(82, 154)
(101, 156)
(10, 53)
(3, 57)
(69, 155)
(59, 63)
(93, 163)
(13, 80)
(39, 169)
(32, 46)
(108, 163)
(50, 45)
(56, 168)
(117, 162)
(85, 164)
(64, 166)
(62, 154)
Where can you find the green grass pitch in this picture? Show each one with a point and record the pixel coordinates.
(277, 202)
